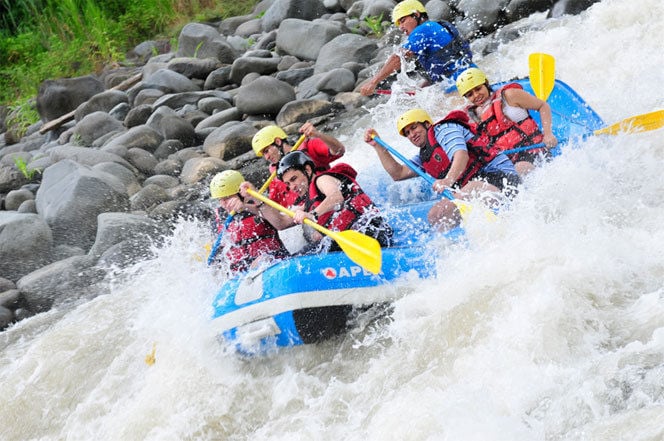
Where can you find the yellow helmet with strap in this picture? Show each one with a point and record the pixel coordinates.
(226, 183)
(406, 8)
(265, 137)
(412, 116)
(470, 79)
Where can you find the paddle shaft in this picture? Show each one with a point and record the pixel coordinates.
(291, 213)
(389, 92)
(360, 248)
(229, 218)
(408, 163)
(524, 148)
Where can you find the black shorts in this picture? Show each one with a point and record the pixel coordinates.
(500, 180)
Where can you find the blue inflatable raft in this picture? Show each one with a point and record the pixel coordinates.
(309, 298)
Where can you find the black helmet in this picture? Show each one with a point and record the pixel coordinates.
(296, 159)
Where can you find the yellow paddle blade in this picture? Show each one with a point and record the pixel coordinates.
(465, 208)
(360, 248)
(542, 74)
(639, 123)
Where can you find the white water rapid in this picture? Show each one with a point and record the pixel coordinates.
(550, 326)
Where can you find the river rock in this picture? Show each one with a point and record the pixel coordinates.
(71, 195)
(25, 244)
(58, 97)
(304, 39)
(266, 95)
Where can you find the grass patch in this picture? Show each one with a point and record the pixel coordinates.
(42, 39)
(22, 114)
(376, 25)
(22, 166)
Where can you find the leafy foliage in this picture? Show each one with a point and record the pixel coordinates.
(41, 39)
(376, 24)
(21, 116)
(22, 166)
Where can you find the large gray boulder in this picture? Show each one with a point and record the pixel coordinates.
(102, 102)
(260, 65)
(265, 95)
(15, 198)
(93, 126)
(194, 67)
(280, 10)
(304, 39)
(303, 110)
(113, 228)
(169, 81)
(230, 140)
(336, 81)
(197, 169)
(142, 137)
(203, 41)
(25, 244)
(179, 100)
(220, 118)
(85, 156)
(59, 97)
(71, 197)
(343, 49)
(61, 281)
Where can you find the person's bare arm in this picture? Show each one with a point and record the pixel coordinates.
(275, 217)
(521, 98)
(459, 162)
(331, 188)
(392, 64)
(335, 146)
(397, 171)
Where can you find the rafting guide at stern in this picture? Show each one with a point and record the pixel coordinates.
(440, 50)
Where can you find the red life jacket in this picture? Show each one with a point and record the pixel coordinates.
(504, 133)
(314, 148)
(356, 201)
(278, 192)
(251, 236)
(436, 162)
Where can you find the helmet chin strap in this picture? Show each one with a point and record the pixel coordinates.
(309, 175)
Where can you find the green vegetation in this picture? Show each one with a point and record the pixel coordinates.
(21, 115)
(42, 39)
(376, 24)
(22, 166)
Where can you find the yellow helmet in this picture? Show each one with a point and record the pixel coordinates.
(226, 183)
(406, 8)
(266, 136)
(470, 79)
(412, 116)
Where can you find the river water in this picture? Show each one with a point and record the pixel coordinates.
(549, 326)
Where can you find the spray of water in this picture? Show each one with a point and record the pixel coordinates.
(546, 325)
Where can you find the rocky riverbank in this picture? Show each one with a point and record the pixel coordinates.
(118, 157)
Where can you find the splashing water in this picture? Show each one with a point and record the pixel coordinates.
(549, 325)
